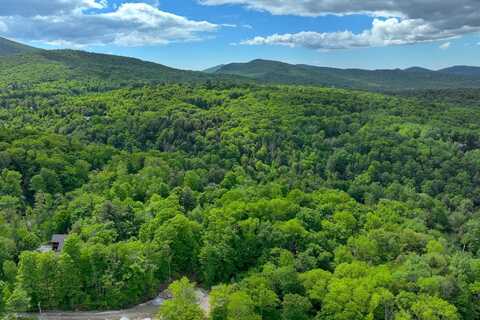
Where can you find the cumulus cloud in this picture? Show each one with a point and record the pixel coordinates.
(392, 31)
(445, 46)
(30, 8)
(310, 8)
(76, 23)
(3, 27)
(414, 9)
(430, 20)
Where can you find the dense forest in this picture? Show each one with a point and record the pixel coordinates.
(286, 202)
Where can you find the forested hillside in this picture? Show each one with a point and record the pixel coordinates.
(469, 97)
(415, 78)
(8, 48)
(74, 72)
(462, 70)
(287, 202)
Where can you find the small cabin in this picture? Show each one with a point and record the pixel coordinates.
(54, 245)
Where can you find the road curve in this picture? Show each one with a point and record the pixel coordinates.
(144, 311)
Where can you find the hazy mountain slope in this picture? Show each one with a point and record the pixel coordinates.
(462, 70)
(22, 65)
(82, 64)
(413, 78)
(79, 70)
(45, 67)
(214, 69)
(417, 69)
(8, 47)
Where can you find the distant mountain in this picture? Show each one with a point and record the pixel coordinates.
(462, 70)
(397, 79)
(214, 69)
(21, 65)
(32, 66)
(417, 69)
(81, 64)
(8, 48)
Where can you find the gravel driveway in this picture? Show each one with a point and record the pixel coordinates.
(145, 311)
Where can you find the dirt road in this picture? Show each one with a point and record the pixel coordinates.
(145, 311)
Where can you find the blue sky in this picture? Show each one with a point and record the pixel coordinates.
(196, 34)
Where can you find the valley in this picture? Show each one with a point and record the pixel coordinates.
(284, 191)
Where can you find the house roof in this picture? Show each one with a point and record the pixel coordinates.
(60, 239)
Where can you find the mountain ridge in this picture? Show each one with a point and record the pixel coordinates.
(40, 67)
(453, 68)
(270, 71)
(462, 70)
(9, 47)
(27, 65)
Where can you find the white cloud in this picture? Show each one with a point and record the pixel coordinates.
(30, 8)
(231, 25)
(445, 46)
(387, 32)
(414, 9)
(309, 8)
(63, 44)
(75, 25)
(3, 27)
(431, 20)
